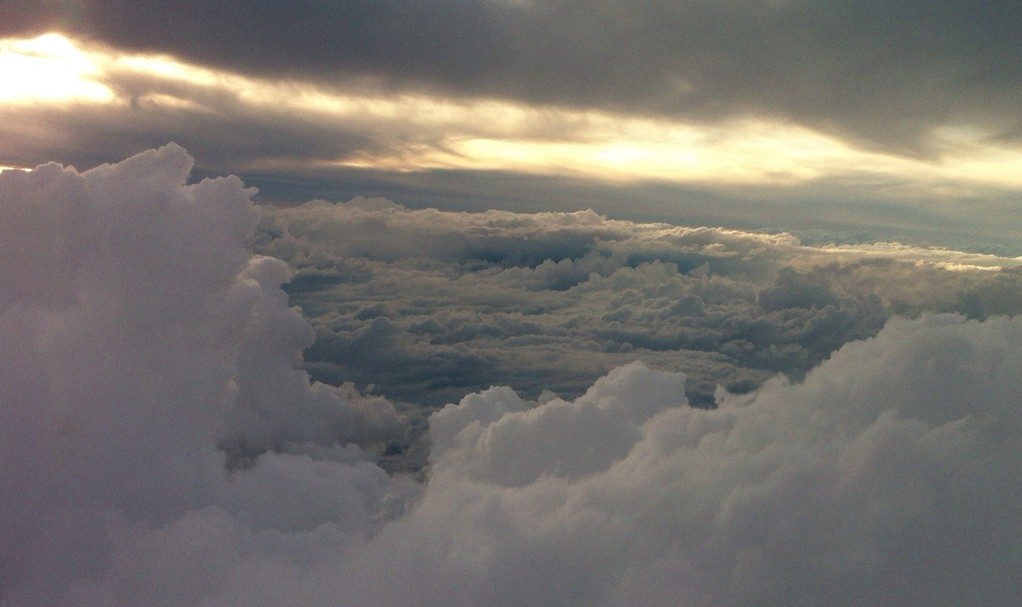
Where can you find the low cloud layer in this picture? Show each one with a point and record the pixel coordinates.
(887, 477)
(161, 447)
(429, 305)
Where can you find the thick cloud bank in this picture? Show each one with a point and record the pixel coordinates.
(889, 477)
(429, 305)
(161, 448)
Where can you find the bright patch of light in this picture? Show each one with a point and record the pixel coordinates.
(621, 148)
(947, 259)
(168, 68)
(971, 157)
(48, 68)
(163, 101)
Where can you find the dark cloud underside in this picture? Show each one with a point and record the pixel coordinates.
(878, 72)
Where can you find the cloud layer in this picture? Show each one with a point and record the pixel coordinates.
(823, 65)
(428, 305)
(160, 446)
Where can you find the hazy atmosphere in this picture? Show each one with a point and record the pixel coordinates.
(510, 302)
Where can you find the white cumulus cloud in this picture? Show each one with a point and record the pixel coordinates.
(139, 332)
(888, 477)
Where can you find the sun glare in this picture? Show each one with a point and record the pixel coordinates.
(48, 68)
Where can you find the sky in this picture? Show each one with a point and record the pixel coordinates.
(845, 120)
(510, 302)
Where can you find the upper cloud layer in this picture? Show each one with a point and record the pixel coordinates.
(820, 64)
(727, 125)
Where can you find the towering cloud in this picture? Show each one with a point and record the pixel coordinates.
(160, 447)
(139, 333)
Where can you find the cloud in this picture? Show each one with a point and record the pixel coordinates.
(141, 332)
(823, 66)
(235, 133)
(887, 476)
(429, 305)
(304, 133)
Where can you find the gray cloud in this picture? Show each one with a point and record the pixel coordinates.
(878, 73)
(231, 135)
(875, 74)
(430, 305)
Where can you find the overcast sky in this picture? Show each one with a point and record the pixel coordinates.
(894, 120)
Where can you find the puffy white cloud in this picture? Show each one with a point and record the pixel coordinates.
(139, 332)
(887, 477)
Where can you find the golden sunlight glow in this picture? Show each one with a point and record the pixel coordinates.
(644, 149)
(413, 132)
(48, 68)
(805, 257)
(162, 66)
(947, 259)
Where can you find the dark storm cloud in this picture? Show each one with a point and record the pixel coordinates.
(878, 72)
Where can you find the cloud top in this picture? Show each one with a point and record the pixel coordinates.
(887, 477)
